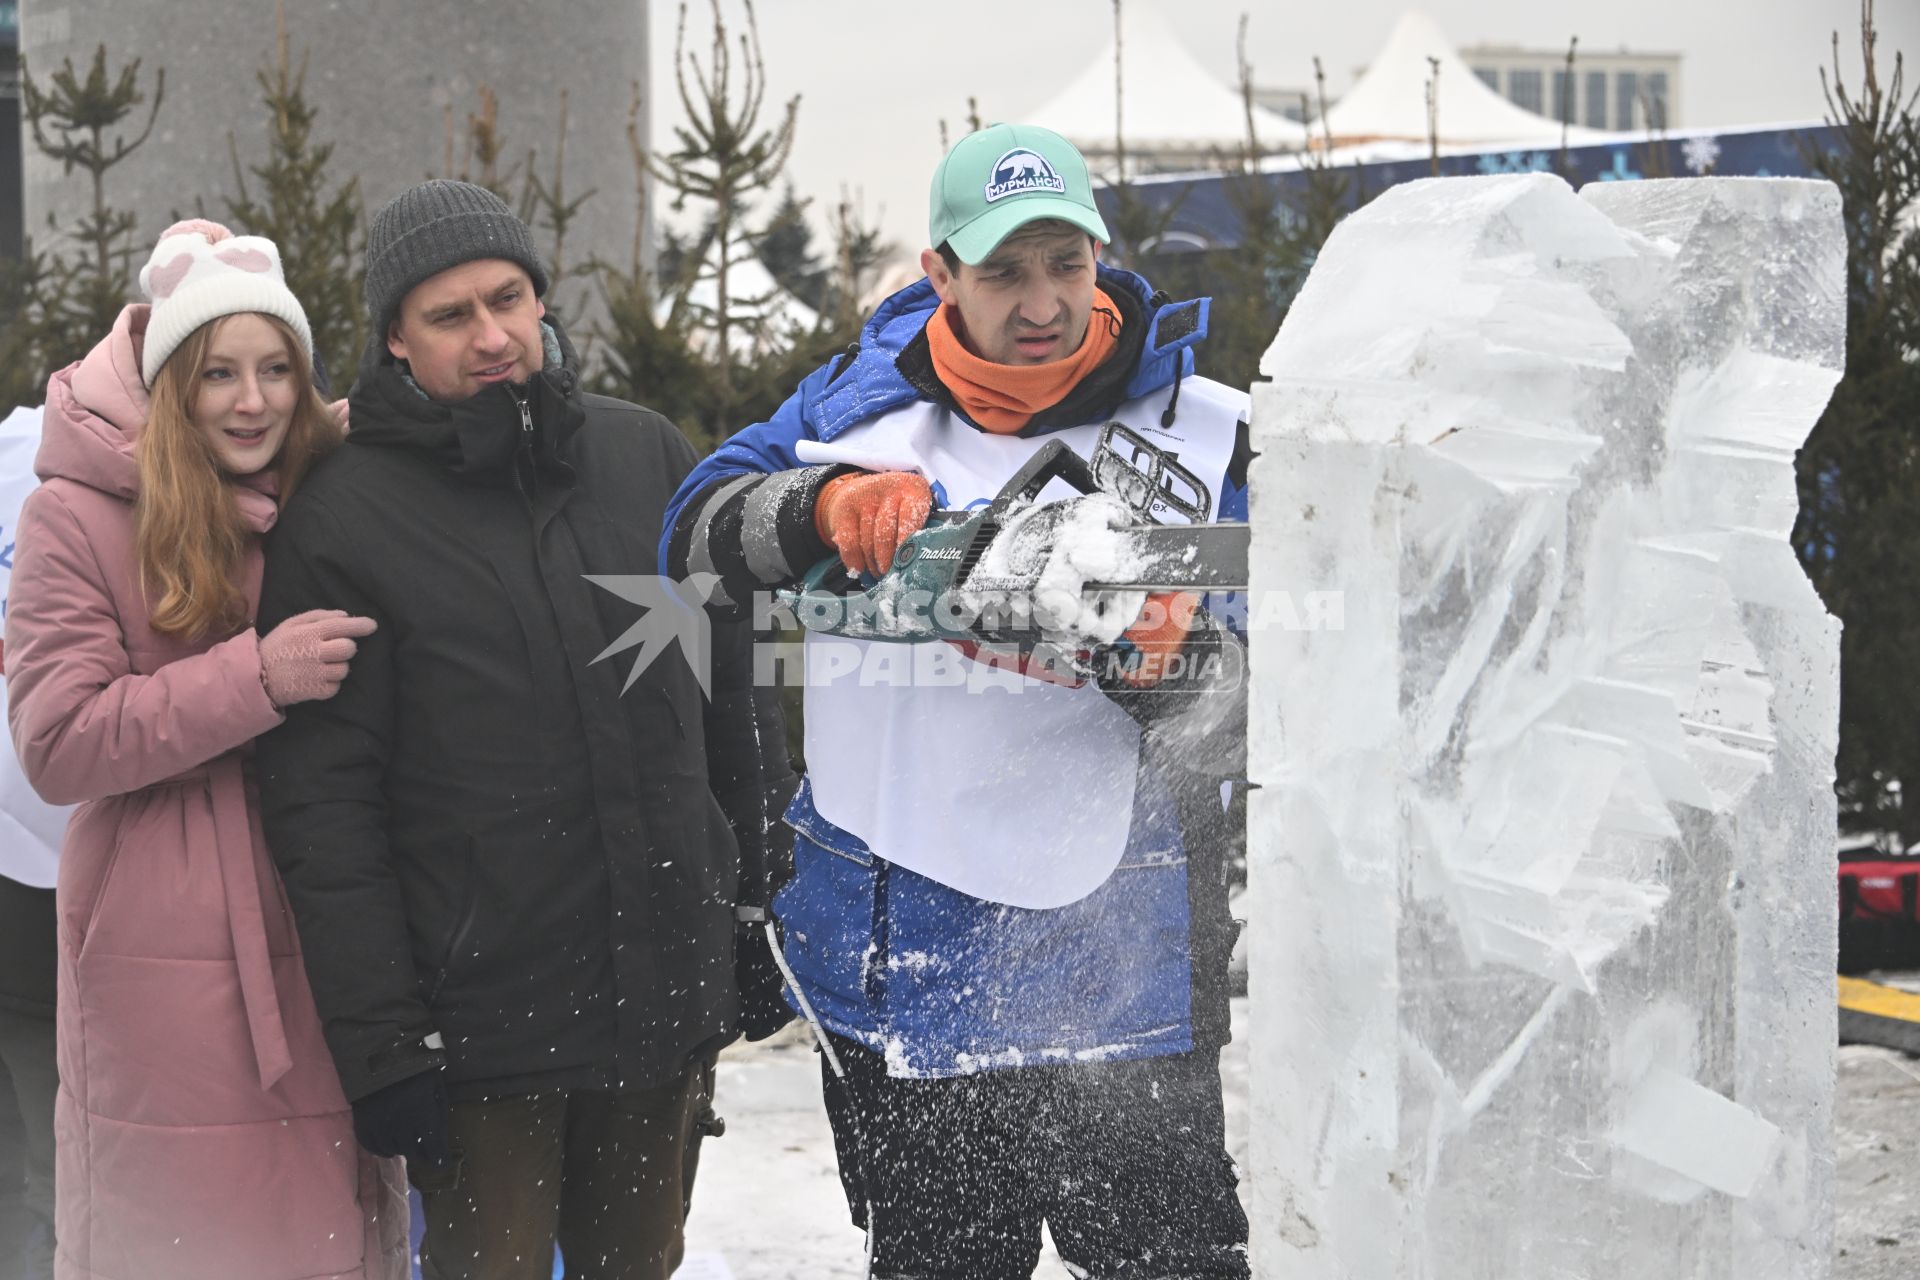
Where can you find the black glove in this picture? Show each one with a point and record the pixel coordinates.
(763, 1002)
(407, 1118)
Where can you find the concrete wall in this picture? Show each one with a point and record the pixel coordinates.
(383, 75)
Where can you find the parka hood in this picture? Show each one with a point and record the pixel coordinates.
(96, 409)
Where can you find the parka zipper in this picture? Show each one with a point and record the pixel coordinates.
(526, 414)
(530, 486)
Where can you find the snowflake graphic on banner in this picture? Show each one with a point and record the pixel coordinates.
(1514, 162)
(1700, 154)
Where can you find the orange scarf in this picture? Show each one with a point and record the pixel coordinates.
(1003, 398)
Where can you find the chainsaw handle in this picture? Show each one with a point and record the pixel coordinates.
(827, 577)
(1052, 461)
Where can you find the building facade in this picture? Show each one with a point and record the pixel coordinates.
(393, 83)
(1621, 90)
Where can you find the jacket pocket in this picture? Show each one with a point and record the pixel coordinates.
(456, 934)
(970, 981)
(832, 920)
(97, 837)
(528, 943)
(805, 819)
(693, 858)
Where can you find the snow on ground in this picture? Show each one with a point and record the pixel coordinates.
(1877, 1139)
(768, 1205)
(1876, 1133)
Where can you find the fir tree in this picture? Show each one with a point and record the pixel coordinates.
(24, 364)
(786, 250)
(1859, 477)
(723, 155)
(545, 205)
(717, 368)
(859, 251)
(644, 357)
(75, 292)
(648, 359)
(481, 144)
(317, 226)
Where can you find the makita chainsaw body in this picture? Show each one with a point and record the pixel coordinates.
(973, 576)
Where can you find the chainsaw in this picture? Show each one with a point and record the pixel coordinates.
(949, 582)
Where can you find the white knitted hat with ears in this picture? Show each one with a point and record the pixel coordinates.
(201, 271)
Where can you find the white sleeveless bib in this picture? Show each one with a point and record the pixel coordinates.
(1009, 789)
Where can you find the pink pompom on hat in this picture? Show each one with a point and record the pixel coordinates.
(201, 271)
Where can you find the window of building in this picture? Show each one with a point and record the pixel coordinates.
(1562, 95)
(1524, 88)
(1489, 76)
(1596, 104)
(1658, 109)
(1626, 98)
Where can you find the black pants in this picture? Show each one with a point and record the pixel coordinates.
(29, 1078)
(1125, 1162)
(606, 1174)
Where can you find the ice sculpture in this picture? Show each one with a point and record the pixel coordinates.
(1543, 950)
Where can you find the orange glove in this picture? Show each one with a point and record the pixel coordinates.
(866, 516)
(1159, 634)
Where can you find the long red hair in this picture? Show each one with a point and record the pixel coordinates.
(189, 538)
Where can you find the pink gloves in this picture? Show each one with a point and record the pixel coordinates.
(304, 659)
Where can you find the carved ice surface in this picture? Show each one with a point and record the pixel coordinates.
(1543, 944)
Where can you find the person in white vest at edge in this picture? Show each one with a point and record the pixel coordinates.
(1008, 906)
(30, 831)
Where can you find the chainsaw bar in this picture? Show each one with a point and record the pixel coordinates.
(1181, 557)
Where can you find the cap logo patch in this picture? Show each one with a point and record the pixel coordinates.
(1020, 171)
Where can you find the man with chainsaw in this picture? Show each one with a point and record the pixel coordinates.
(1007, 916)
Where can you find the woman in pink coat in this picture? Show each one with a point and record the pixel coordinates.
(201, 1131)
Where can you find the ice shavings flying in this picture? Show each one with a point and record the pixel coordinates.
(1051, 551)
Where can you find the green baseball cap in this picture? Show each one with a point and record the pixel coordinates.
(1004, 177)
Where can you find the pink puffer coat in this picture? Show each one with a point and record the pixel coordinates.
(202, 1132)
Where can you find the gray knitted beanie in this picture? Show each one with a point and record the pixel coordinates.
(439, 224)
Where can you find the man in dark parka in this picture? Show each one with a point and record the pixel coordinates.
(517, 886)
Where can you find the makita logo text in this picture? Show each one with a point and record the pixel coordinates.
(1020, 171)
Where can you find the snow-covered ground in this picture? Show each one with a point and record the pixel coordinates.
(768, 1205)
(1876, 1133)
(1877, 1138)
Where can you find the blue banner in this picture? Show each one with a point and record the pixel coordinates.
(1204, 215)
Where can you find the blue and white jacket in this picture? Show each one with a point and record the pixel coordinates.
(940, 982)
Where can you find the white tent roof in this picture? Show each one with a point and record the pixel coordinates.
(1171, 100)
(1389, 100)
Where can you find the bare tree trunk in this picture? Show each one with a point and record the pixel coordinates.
(1566, 106)
(1320, 90)
(1433, 118)
(1252, 162)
